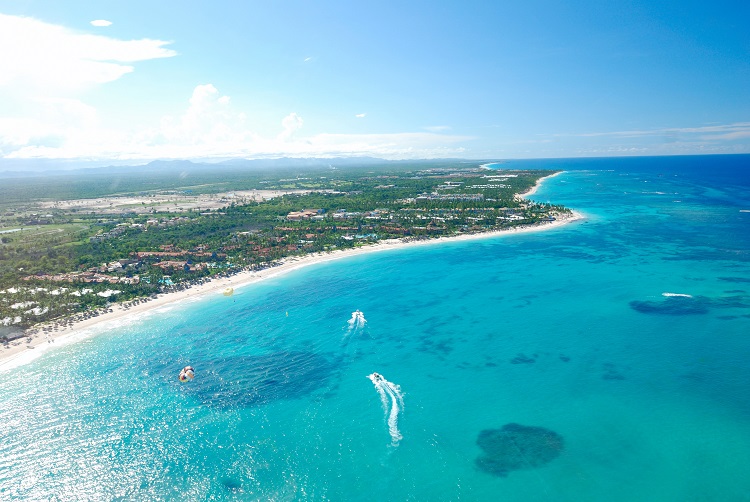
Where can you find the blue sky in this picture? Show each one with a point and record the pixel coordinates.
(214, 80)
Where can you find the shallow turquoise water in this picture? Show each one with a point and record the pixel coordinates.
(650, 393)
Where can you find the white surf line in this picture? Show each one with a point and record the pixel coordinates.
(390, 390)
(683, 295)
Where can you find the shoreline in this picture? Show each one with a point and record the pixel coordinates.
(25, 350)
(533, 190)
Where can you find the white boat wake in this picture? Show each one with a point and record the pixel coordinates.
(358, 320)
(683, 295)
(393, 403)
(356, 323)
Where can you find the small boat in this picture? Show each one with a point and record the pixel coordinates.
(186, 374)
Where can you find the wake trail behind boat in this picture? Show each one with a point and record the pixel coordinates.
(390, 390)
(357, 321)
(355, 324)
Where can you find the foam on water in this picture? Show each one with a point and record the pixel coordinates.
(357, 320)
(393, 404)
(355, 325)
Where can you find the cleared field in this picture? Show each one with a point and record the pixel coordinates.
(166, 202)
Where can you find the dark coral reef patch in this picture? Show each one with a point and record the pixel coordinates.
(522, 359)
(244, 381)
(514, 447)
(673, 305)
(686, 305)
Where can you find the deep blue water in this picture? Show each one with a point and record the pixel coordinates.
(621, 393)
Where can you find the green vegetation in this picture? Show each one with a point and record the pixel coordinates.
(58, 258)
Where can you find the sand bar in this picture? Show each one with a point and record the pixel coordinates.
(24, 349)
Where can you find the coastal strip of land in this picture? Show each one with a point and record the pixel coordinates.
(32, 346)
(531, 191)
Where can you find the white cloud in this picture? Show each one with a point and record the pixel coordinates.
(291, 124)
(45, 68)
(307, 60)
(210, 127)
(50, 122)
(394, 145)
(705, 139)
(40, 57)
(729, 136)
(360, 115)
(438, 128)
(735, 130)
(101, 22)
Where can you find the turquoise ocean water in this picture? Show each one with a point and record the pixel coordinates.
(567, 329)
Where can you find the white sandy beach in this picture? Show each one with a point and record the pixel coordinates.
(533, 189)
(26, 350)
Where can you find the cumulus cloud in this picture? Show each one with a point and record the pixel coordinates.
(360, 115)
(50, 123)
(37, 56)
(45, 70)
(291, 124)
(209, 128)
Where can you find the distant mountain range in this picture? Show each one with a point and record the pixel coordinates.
(18, 168)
